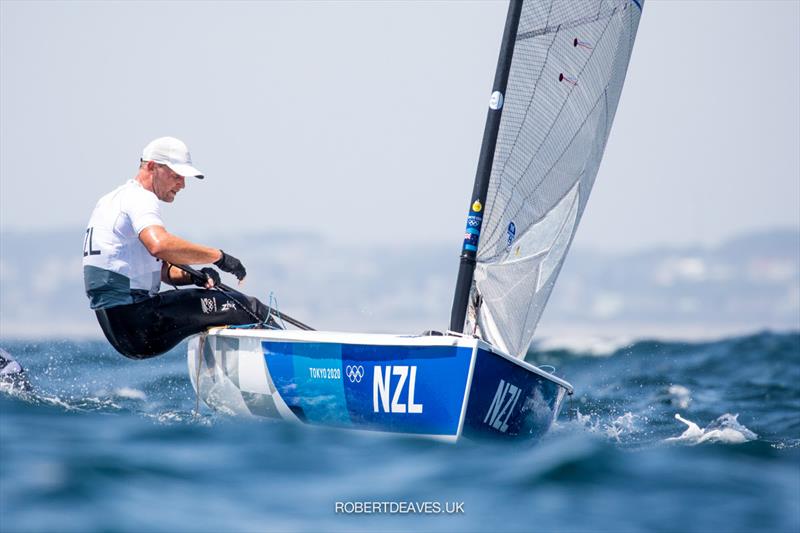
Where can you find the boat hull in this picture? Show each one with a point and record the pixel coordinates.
(445, 387)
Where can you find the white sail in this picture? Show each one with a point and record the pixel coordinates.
(569, 63)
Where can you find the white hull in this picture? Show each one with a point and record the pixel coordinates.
(437, 386)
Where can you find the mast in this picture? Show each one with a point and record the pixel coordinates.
(481, 187)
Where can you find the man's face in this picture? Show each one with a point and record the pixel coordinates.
(166, 183)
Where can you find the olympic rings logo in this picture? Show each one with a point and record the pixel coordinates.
(354, 373)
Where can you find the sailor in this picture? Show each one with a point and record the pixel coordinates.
(128, 252)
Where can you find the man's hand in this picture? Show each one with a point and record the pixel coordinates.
(228, 263)
(209, 280)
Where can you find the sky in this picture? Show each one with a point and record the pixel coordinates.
(362, 121)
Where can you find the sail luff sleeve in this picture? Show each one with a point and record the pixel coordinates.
(478, 199)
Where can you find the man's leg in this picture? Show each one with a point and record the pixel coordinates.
(154, 326)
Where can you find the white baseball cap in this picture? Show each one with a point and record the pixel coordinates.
(171, 152)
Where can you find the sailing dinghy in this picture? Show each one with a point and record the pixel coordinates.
(559, 77)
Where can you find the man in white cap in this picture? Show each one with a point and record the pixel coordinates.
(128, 252)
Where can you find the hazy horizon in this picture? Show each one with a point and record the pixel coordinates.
(748, 284)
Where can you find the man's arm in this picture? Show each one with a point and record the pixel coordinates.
(172, 249)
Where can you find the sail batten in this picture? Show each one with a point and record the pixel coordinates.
(566, 73)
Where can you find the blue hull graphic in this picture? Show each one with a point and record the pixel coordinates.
(384, 388)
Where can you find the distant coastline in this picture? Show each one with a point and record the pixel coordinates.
(747, 284)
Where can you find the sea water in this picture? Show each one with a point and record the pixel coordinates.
(659, 436)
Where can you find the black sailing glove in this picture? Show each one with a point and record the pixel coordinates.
(228, 263)
(208, 273)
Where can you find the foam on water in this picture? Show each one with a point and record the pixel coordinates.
(613, 428)
(725, 429)
(130, 393)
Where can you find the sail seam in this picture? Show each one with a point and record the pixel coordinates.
(566, 25)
